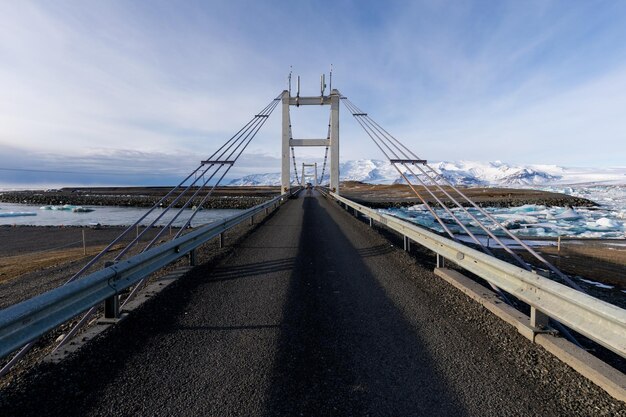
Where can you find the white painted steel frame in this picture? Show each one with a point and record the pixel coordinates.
(309, 142)
(332, 142)
(314, 166)
(598, 320)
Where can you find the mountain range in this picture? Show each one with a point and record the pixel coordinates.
(468, 173)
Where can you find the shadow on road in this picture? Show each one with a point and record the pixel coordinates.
(255, 269)
(345, 348)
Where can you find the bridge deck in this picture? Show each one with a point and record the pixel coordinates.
(313, 314)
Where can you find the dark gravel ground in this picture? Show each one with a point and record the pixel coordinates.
(20, 240)
(312, 314)
(28, 285)
(38, 241)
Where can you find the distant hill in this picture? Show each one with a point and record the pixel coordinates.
(469, 173)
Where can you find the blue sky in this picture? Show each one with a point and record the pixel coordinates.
(145, 89)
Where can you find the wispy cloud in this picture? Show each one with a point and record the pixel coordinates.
(115, 167)
(94, 83)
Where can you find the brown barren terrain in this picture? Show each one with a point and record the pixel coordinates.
(32, 253)
(401, 195)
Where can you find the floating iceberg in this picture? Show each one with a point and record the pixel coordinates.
(604, 225)
(17, 214)
(82, 210)
(606, 221)
(568, 214)
(609, 223)
(68, 207)
(527, 208)
(418, 207)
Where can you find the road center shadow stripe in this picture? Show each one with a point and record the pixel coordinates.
(344, 347)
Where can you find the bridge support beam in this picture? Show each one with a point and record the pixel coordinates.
(334, 140)
(538, 320)
(285, 174)
(111, 304)
(304, 175)
(440, 261)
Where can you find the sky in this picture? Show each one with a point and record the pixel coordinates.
(138, 92)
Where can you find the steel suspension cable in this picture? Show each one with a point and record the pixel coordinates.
(437, 175)
(383, 132)
(323, 166)
(448, 211)
(293, 152)
(199, 206)
(234, 160)
(358, 114)
(252, 126)
(246, 139)
(408, 167)
(395, 152)
(439, 220)
(295, 167)
(325, 155)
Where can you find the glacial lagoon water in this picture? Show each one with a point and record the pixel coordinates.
(606, 221)
(24, 214)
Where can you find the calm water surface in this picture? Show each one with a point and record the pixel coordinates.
(105, 215)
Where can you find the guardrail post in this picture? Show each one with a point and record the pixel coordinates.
(221, 240)
(112, 307)
(440, 261)
(111, 304)
(538, 320)
(371, 222)
(356, 213)
(266, 210)
(407, 243)
(251, 220)
(192, 258)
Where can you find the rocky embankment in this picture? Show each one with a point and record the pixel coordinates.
(558, 202)
(80, 199)
(400, 195)
(372, 195)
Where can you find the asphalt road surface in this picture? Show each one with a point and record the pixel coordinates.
(313, 314)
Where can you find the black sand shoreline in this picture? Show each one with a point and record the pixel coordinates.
(375, 196)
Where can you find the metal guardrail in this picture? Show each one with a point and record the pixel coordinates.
(598, 320)
(30, 319)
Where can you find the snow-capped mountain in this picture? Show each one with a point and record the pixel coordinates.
(469, 173)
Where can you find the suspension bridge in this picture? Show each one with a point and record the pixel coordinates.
(323, 307)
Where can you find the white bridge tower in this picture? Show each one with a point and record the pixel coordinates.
(332, 141)
(304, 176)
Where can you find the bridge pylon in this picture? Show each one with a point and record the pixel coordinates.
(332, 141)
(304, 176)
